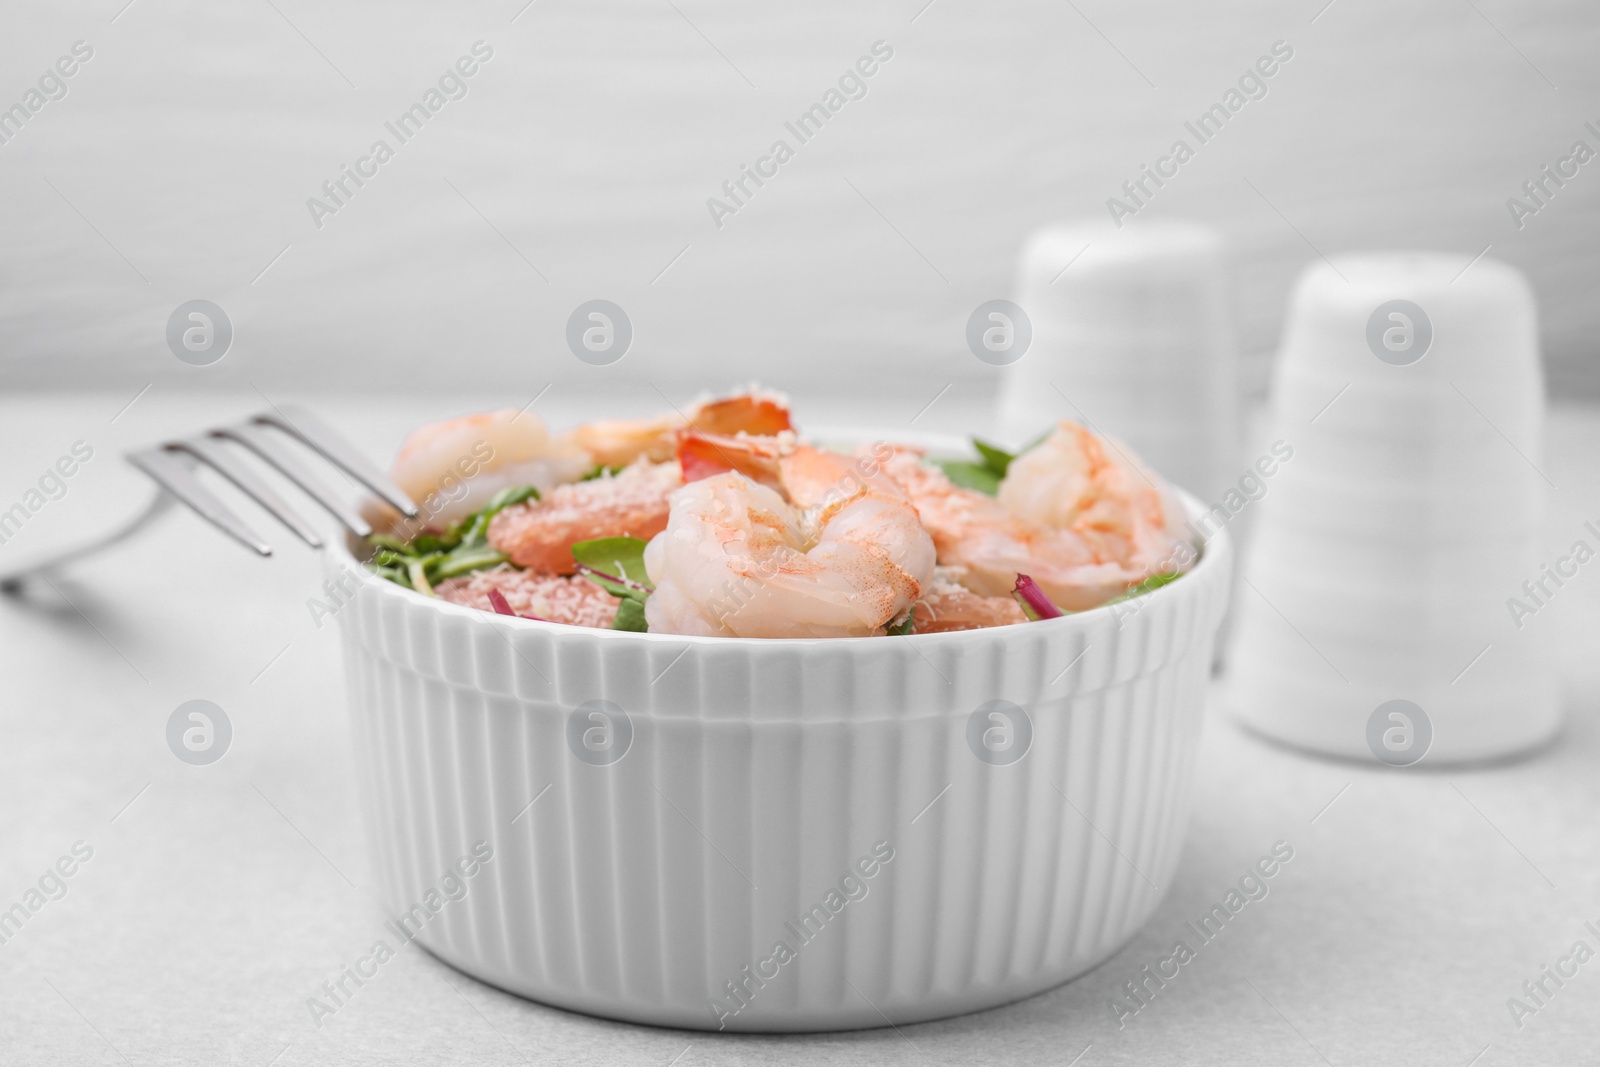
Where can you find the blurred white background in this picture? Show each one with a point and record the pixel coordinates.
(179, 164)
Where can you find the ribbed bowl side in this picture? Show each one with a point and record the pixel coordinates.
(758, 776)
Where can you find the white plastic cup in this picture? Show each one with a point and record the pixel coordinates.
(1384, 558)
(1136, 338)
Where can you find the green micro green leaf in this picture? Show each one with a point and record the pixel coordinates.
(969, 475)
(998, 459)
(614, 586)
(393, 545)
(417, 571)
(466, 539)
(397, 575)
(474, 528)
(995, 458)
(1154, 582)
(465, 560)
(619, 557)
(630, 615)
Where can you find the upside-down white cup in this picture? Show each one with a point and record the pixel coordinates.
(1136, 338)
(1385, 555)
(629, 824)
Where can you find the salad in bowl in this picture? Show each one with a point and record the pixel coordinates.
(724, 521)
(760, 734)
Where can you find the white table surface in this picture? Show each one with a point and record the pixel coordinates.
(219, 897)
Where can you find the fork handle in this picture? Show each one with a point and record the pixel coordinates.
(13, 582)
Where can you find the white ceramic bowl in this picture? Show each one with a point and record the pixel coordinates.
(758, 777)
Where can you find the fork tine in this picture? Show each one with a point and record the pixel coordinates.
(266, 446)
(176, 478)
(312, 431)
(215, 455)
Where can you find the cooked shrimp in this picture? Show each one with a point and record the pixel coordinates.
(700, 455)
(1123, 510)
(574, 601)
(817, 476)
(948, 605)
(736, 559)
(972, 531)
(452, 468)
(540, 534)
(618, 442)
(1082, 526)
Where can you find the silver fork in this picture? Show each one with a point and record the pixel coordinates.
(172, 465)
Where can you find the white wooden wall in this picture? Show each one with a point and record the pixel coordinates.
(179, 164)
